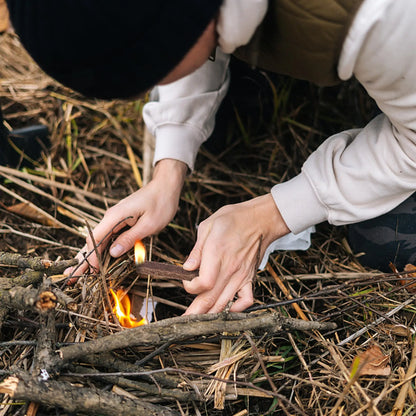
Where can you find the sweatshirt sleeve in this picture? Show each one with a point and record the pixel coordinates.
(182, 116)
(361, 174)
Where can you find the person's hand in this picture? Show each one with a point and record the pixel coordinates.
(145, 212)
(228, 250)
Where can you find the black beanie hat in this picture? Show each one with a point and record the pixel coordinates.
(109, 49)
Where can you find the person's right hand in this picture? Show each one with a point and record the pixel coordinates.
(145, 212)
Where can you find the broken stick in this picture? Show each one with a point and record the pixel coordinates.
(27, 298)
(165, 271)
(35, 263)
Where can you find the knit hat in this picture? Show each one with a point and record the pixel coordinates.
(109, 49)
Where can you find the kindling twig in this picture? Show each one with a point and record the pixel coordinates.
(377, 321)
(401, 398)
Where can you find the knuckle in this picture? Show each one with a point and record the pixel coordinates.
(206, 285)
(126, 240)
(203, 227)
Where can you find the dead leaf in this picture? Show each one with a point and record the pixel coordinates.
(409, 273)
(372, 362)
(396, 329)
(26, 210)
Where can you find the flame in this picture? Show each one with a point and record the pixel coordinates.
(139, 252)
(122, 308)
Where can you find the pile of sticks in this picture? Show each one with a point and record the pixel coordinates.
(66, 375)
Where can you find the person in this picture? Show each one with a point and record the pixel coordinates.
(353, 176)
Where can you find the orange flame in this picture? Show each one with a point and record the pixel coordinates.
(139, 252)
(122, 308)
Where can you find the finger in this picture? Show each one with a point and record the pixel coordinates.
(205, 255)
(237, 283)
(245, 298)
(112, 222)
(82, 265)
(202, 303)
(126, 240)
(194, 258)
(208, 273)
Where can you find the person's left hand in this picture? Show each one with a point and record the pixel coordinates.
(228, 250)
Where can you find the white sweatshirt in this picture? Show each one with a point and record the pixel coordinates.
(354, 175)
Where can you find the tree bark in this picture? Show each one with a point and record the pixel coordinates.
(165, 271)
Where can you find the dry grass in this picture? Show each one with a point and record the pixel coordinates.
(87, 169)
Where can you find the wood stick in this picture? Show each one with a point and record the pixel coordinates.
(79, 399)
(151, 389)
(45, 346)
(184, 327)
(36, 263)
(26, 298)
(401, 398)
(159, 270)
(111, 362)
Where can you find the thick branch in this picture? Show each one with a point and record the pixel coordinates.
(27, 298)
(185, 327)
(78, 399)
(36, 263)
(44, 352)
(165, 271)
(30, 277)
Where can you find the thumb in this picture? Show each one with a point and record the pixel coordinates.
(124, 242)
(194, 259)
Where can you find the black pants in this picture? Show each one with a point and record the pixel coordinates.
(388, 238)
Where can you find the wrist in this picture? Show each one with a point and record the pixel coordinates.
(171, 173)
(270, 212)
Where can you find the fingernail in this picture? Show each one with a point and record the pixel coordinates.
(117, 250)
(189, 263)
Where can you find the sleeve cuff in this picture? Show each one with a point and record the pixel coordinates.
(298, 204)
(180, 142)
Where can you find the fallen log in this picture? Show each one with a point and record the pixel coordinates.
(184, 327)
(74, 399)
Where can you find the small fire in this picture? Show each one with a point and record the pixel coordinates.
(122, 308)
(139, 252)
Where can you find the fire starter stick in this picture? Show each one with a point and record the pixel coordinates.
(165, 271)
